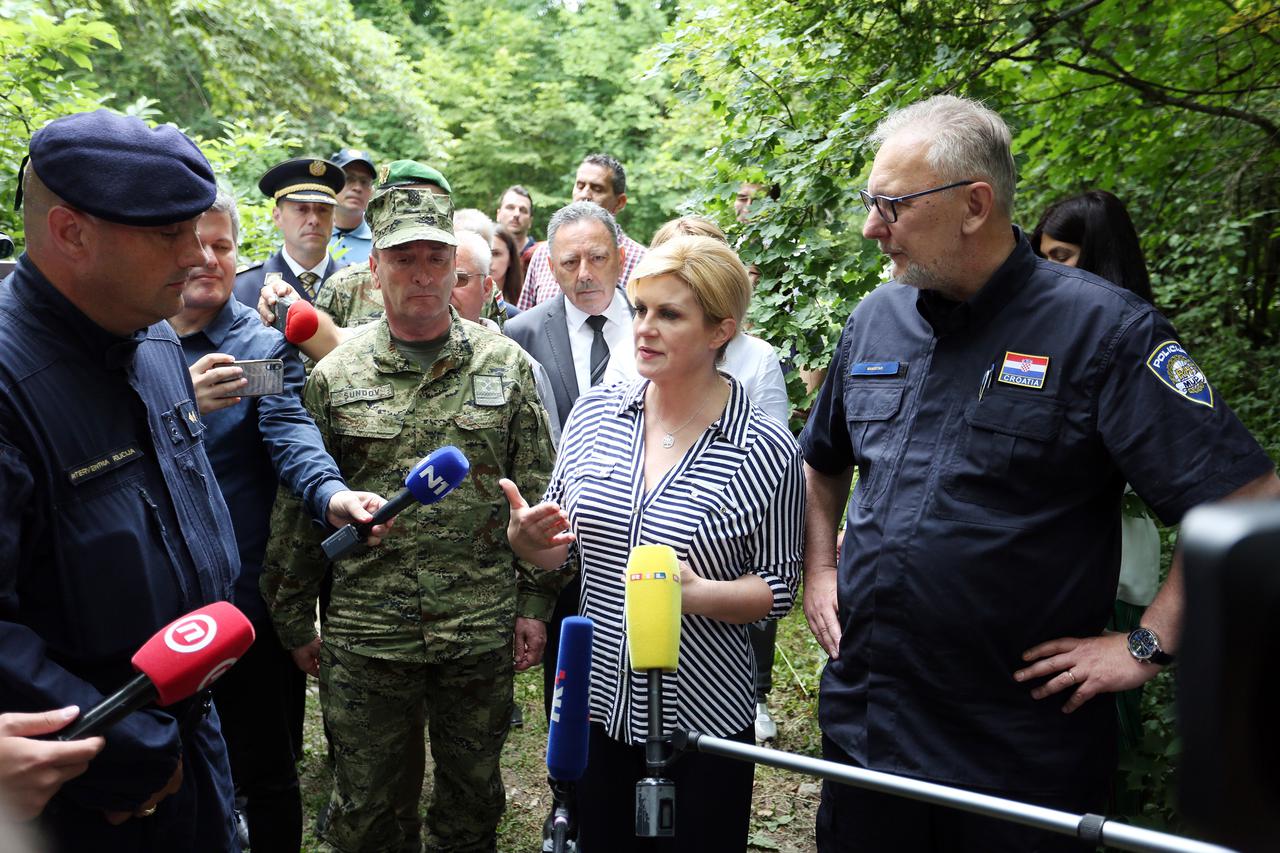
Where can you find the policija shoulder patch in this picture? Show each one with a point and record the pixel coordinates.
(1171, 364)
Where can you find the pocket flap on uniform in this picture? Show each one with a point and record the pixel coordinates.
(366, 424)
(480, 418)
(871, 401)
(1039, 420)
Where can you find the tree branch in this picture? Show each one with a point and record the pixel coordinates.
(1154, 94)
(1036, 34)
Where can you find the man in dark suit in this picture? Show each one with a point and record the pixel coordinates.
(581, 338)
(305, 191)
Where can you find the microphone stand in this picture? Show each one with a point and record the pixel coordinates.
(655, 795)
(564, 821)
(1093, 829)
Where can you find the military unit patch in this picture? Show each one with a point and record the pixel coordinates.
(1025, 371)
(1171, 364)
(487, 390)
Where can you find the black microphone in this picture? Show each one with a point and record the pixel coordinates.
(429, 481)
(181, 659)
(6, 245)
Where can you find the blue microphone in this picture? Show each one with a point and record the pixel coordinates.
(429, 481)
(567, 730)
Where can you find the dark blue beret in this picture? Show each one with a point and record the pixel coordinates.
(121, 170)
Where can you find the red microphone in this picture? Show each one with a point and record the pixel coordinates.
(183, 658)
(296, 319)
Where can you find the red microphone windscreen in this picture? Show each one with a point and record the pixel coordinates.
(191, 652)
(301, 323)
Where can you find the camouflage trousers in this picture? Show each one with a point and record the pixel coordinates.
(374, 712)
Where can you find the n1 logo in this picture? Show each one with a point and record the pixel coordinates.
(557, 698)
(191, 634)
(437, 484)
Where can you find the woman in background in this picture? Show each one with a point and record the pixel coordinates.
(1093, 232)
(505, 266)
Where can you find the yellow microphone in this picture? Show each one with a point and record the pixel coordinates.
(653, 608)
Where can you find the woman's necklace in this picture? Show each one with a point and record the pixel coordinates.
(669, 437)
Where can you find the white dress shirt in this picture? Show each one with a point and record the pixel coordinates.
(297, 268)
(754, 363)
(617, 334)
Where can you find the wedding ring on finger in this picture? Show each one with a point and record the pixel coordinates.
(1072, 676)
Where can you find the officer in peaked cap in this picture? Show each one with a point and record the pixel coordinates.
(305, 191)
(111, 522)
(352, 239)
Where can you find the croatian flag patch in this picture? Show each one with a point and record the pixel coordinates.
(1025, 371)
(1171, 364)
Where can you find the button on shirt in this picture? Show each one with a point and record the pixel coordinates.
(734, 504)
(617, 334)
(985, 522)
(260, 442)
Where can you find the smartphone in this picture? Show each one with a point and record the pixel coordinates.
(265, 375)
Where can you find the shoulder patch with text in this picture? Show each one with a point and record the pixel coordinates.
(1172, 366)
(350, 395)
(1025, 371)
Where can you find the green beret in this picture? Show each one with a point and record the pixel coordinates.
(410, 172)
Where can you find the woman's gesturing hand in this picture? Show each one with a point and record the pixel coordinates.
(539, 534)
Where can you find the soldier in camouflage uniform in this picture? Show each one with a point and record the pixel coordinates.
(421, 626)
(352, 298)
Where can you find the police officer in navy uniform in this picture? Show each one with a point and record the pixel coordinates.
(995, 405)
(352, 240)
(305, 191)
(111, 522)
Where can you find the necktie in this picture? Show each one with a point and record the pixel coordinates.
(599, 349)
(308, 281)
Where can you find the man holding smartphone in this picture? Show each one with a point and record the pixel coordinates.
(258, 436)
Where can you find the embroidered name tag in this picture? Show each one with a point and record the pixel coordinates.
(876, 368)
(487, 389)
(1171, 364)
(350, 395)
(103, 464)
(1025, 371)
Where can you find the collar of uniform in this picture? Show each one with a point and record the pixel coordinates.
(732, 425)
(47, 305)
(360, 232)
(220, 326)
(457, 350)
(297, 268)
(948, 317)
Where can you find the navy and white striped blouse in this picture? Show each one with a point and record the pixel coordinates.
(733, 504)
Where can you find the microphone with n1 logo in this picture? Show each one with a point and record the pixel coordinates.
(181, 659)
(568, 732)
(653, 643)
(429, 481)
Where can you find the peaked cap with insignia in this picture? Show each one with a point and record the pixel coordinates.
(303, 179)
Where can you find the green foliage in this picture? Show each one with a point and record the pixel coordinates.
(45, 62)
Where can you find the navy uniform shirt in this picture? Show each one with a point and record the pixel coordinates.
(249, 280)
(111, 526)
(260, 442)
(983, 524)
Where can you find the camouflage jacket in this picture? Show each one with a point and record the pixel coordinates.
(350, 297)
(444, 583)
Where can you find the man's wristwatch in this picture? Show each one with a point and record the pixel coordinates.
(1144, 645)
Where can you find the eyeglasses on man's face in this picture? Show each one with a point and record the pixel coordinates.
(888, 205)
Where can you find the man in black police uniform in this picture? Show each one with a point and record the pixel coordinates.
(111, 523)
(305, 191)
(995, 405)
